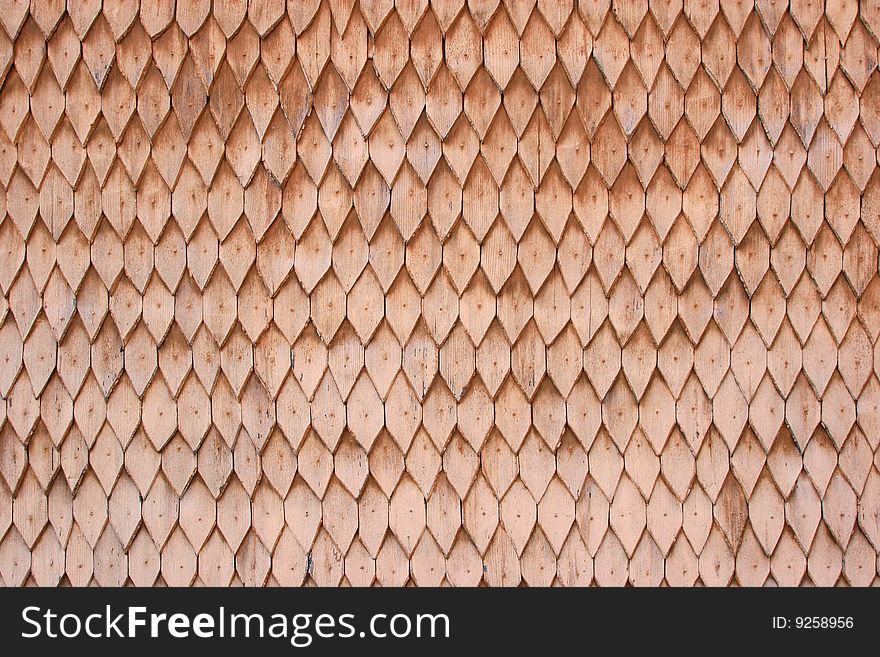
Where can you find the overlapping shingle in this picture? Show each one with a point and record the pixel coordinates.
(439, 293)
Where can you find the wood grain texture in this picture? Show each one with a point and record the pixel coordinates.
(449, 293)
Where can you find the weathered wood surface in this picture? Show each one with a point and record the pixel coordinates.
(335, 292)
